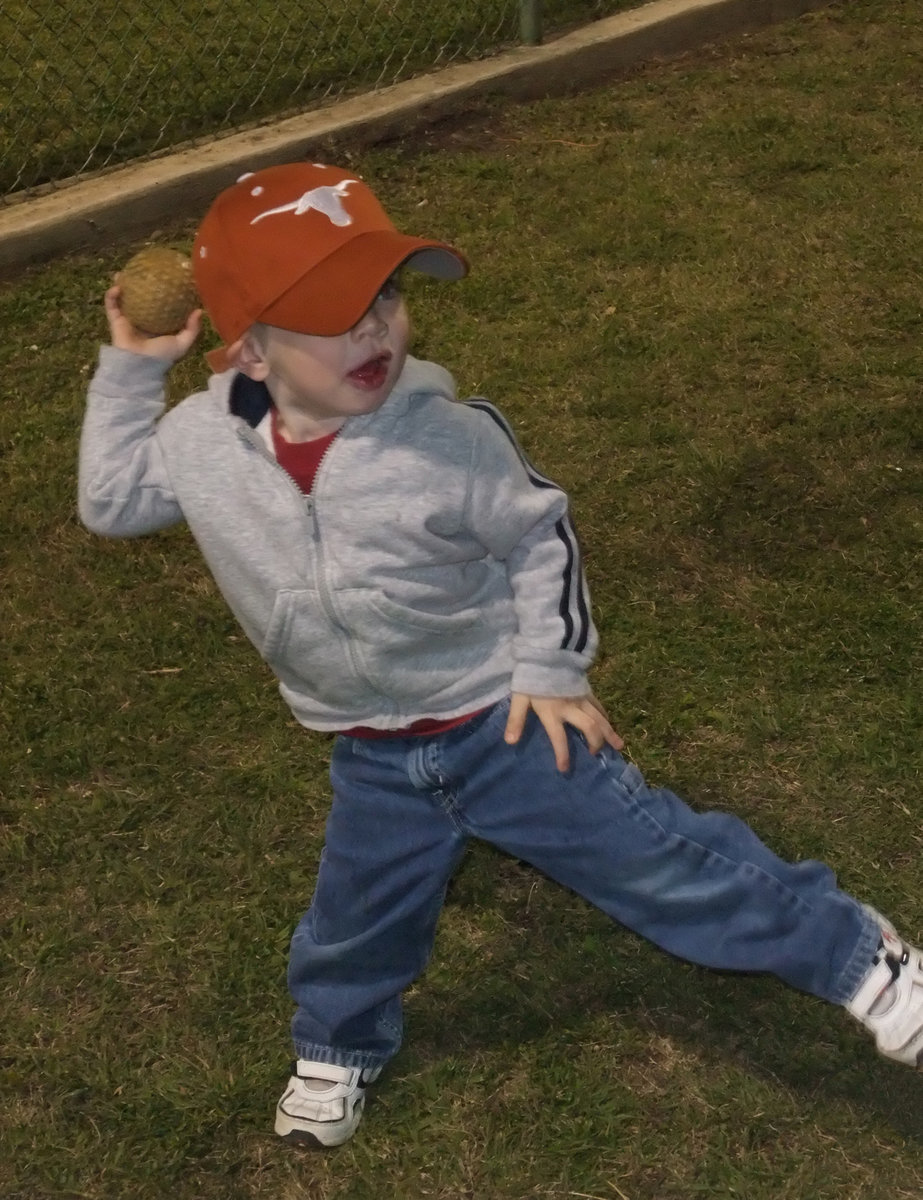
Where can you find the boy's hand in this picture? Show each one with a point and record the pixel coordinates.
(170, 347)
(583, 712)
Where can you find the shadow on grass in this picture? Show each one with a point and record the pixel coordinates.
(552, 970)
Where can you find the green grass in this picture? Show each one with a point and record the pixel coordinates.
(86, 86)
(697, 294)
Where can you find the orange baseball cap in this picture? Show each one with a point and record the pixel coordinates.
(305, 247)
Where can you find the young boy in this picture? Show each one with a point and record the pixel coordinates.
(416, 585)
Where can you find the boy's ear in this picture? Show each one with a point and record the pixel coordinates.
(246, 356)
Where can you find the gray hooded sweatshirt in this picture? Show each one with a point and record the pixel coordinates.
(431, 571)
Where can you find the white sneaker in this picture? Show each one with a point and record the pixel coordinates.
(323, 1103)
(889, 1002)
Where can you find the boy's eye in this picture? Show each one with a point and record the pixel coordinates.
(390, 288)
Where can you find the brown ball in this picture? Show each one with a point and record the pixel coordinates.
(158, 292)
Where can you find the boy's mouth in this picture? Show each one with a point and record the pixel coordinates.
(373, 373)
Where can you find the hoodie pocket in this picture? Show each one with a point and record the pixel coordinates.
(305, 650)
(416, 656)
(399, 616)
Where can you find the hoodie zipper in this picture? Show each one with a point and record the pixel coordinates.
(309, 508)
(309, 498)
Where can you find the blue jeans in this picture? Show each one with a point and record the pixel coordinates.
(700, 885)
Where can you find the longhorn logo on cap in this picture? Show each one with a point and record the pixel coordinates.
(327, 200)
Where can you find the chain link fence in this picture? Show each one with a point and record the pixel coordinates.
(89, 85)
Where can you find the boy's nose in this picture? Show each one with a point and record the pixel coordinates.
(372, 321)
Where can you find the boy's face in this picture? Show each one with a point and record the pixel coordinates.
(326, 379)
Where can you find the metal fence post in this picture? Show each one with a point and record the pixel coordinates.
(530, 21)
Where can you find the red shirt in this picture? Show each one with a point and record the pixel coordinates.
(300, 459)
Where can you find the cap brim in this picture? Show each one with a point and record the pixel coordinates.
(335, 294)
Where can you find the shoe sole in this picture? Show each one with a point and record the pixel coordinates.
(298, 1137)
(288, 1129)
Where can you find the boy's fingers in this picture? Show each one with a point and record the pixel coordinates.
(554, 728)
(190, 331)
(602, 734)
(592, 721)
(585, 714)
(516, 721)
(593, 730)
(600, 731)
(112, 304)
(557, 735)
(125, 336)
(606, 725)
(556, 732)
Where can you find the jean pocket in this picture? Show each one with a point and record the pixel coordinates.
(625, 774)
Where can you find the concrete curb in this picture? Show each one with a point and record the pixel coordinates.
(132, 201)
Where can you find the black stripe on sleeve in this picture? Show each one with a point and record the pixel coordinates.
(573, 606)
